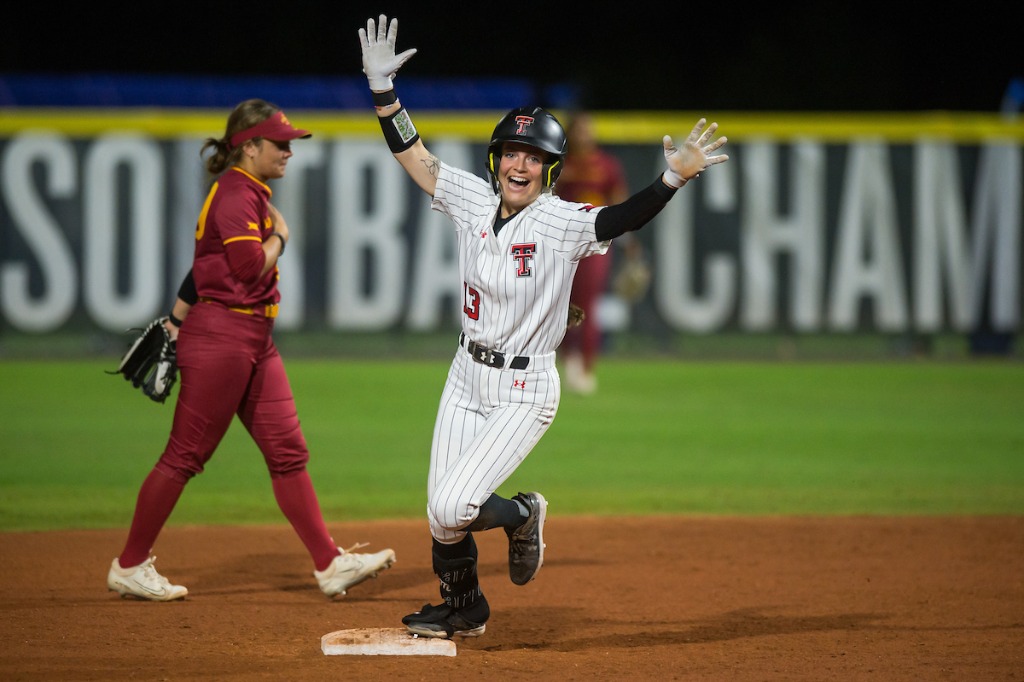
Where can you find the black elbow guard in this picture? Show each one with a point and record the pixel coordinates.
(187, 290)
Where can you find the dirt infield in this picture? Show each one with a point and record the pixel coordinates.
(669, 599)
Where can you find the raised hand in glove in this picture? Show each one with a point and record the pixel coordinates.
(380, 63)
(151, 362)
(694, 156)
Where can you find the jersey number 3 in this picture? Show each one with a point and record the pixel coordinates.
(470, 302)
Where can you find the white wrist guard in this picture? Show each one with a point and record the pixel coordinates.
(673, 179)
(380, 83)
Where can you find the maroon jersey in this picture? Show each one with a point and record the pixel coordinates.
(592, 179)
(230, 233)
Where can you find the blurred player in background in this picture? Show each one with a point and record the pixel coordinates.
(592, 176)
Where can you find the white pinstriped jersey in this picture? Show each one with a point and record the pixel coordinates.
(516, 285)
(516, 289)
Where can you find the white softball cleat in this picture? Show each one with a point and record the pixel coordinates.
(350, 569)
(142, 581)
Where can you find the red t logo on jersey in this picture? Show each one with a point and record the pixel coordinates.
(523, 122)
(523, 254)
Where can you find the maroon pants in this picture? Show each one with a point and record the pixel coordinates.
(590, 283)
(230, 365)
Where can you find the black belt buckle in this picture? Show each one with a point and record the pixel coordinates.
(491, 358)
(482, 354)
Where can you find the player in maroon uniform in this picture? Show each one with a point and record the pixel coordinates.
(591, 175)
(229, 363)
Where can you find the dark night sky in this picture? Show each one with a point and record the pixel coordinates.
(798, 56)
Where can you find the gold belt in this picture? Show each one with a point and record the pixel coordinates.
(264, 310)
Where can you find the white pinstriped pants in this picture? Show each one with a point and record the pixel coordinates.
(488, 421)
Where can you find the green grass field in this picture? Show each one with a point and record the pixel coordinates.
(660, 437)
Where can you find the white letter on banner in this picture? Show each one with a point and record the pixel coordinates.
(765, 235)
(291, 199)
(867, 253)
(138, 162)
(939, 239)
(189, 186)
(435, 267)
(674, 257)
(366, 249)
(58, 282)
(996, 226)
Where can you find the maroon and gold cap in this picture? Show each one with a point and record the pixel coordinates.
(277, 128)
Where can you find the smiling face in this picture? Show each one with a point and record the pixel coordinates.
(267, 159)
(519, 176)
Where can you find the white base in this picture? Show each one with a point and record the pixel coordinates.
(383, 642)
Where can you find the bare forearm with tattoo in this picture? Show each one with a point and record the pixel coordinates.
(432, 164)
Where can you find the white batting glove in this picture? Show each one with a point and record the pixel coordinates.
(380, 63)
(694, 156)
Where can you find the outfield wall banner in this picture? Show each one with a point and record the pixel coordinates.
(818, 223)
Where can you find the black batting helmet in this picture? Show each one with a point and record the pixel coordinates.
(533, 126)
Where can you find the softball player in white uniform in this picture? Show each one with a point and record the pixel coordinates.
(519, 246)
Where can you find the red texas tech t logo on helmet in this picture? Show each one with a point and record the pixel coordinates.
(523, 122)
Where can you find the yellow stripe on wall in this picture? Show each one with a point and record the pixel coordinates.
(611, 127)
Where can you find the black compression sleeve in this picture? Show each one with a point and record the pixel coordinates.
(187, 290)
(634, 212)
